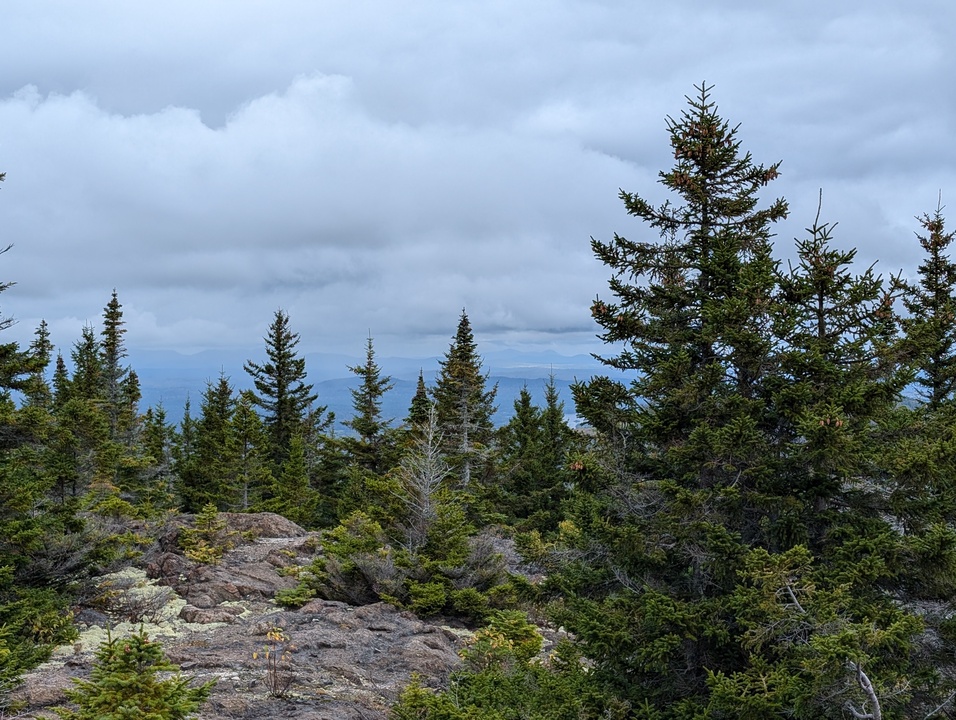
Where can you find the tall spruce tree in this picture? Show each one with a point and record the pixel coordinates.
(532, 449)
(290, 493)
(736, 547)
(932, 308)
(209, 475)
(43, 552)
(37, 392)
(842, 371)
(158, 443)
(374, 448)
(112, 351)
(87, 381)
(463, 404)
(281, 392)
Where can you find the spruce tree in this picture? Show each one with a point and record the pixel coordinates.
(87, 382)
(842, 372)
(62, 384)
(532, 449)
(932, 307)
(290, 493)
(742, 542)
(419, 408)
(282, 394)
(209, 475)
(252, 460)
(463, 405)
(373, 448)
(158, 443)
(37, 392)
(130, 681)
(664, 508)
(115, 375)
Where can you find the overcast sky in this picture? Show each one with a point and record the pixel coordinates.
(375, 166)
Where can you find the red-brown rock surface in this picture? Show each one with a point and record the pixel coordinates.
(340, 662)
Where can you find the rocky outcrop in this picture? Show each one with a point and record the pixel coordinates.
(337, 662)
(264, 543)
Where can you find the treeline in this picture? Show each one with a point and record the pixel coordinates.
(85, 471)
(763, 523)
(757, 525)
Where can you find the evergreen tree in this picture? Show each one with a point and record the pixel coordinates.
(374, 448)
(209, 476)
(282, 394)
(62, 385)
(86, 456)
(532, 448)
(740, 472)
(159, 442)
(126, 684)
(842, 373)
(184, 449)
(463, 404)
(291, 494)
(112, 351)
(42, 548)
(252, 474)
(87, 382)
(37, 393)
(556, 435)
(420, 405)
(693, 308)
(932, 308)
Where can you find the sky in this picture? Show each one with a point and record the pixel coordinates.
(373, 167)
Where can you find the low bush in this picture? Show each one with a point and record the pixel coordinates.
(208, 540)
(128, 682)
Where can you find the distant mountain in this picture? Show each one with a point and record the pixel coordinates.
(170, 378)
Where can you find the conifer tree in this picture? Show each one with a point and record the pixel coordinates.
(932, 308)
(87, 382)
(842, 373)
(126, 683)
(291, 494)
(693, 305)
(210, 473)
(61, 382)
(463, 405)
(252, 461)
(37, 392)
(112, 351)
(736, 540)
(419, 407)
(532, 448)
(282, 394)
(556, 435)
(184, 449)
(42, 550)
(373, 449)
(159, 442)
(685, 450)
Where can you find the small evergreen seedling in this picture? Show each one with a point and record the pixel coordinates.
(124, 685)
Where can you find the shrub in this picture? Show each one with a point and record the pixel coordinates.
(209, 539)
(294, 597)
(124, 685)
(502, 679)
(426, 598)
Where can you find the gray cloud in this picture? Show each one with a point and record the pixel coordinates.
(373, 167)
